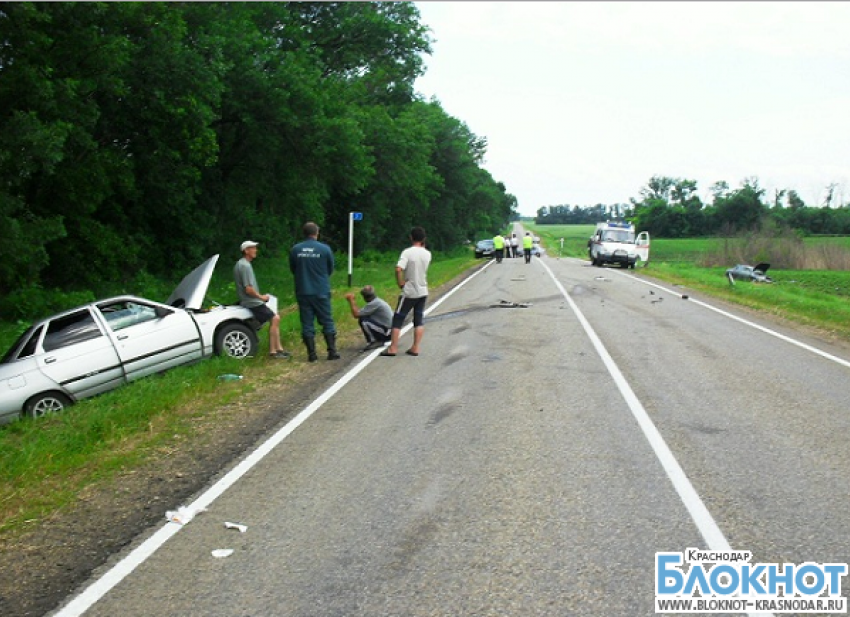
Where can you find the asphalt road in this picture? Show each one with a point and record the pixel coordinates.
(504, 472)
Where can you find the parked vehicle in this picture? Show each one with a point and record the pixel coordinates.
(756, 274)
(99, 346)
(614, 242)
(484, 248)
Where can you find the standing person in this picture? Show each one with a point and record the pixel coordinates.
(411, 273)
(514, 246)
(499, 247)
(375, 318)
(527, 246)
(312, 263)
(251, 298)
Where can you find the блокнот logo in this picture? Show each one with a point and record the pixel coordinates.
(726, 581)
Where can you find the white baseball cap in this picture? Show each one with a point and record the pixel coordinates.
(248, 244)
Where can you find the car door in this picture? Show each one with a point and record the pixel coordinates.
(78, 356)
(150, 337)
(642, 247)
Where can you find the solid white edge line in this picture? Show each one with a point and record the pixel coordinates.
(705, 523)
(99, 588)
(746, 322)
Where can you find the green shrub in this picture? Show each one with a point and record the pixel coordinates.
(34, 302)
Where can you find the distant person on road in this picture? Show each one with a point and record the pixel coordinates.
(412, 277)
(514, 246)
(312, 263)
(375, 317)
(527, 246)
(251, 298)
(499, 247)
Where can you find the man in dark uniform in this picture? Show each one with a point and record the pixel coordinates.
(312, 263)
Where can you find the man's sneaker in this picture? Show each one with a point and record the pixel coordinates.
(280, 355)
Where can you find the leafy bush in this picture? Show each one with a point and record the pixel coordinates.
(34, 302)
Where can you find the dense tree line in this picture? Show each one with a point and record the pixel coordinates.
(147, 136)
(671, 208)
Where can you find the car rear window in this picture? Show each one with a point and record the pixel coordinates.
(70, 329)
(27, 343)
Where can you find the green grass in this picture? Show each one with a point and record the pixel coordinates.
(813, 298)
(46, 463)
(816, 298)
(575, 238)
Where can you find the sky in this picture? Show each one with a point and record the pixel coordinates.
(583, 102)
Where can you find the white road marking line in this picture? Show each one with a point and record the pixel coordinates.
(705, 523)
(746, 322)
(99, 588)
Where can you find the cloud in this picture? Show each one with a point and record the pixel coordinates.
(582, 102)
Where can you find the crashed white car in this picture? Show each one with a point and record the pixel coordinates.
(100, 346)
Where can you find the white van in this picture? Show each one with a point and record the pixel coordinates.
(614, 242)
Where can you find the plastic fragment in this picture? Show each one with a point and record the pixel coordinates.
(220, 553)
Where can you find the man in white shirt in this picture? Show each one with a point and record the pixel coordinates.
(412, 277)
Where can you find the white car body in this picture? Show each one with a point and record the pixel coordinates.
(99, 346)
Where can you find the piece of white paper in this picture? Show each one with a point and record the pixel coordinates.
(219, 553)
(241, 528)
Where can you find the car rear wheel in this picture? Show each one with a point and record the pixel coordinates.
(236, 340)
(46, 403)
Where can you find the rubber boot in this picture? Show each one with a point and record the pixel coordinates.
(330, 339)
(310, 344)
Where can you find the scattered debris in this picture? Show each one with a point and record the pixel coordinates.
(241, 528)
(220, 553)
(684, 296)
(182, 515)
(506, 304)
(601, 278)
(229, 377)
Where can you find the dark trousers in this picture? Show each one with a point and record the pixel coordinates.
(499, 254)
(373, 331)
(405, 305)
(312, 309)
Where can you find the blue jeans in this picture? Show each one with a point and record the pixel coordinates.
(315, 308)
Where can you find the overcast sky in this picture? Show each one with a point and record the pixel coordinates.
(582, 102)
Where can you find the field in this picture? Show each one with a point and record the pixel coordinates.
(814, 297)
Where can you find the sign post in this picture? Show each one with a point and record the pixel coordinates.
(352, 216)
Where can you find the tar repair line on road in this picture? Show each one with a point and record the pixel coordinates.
(702, 518)
(99, 588)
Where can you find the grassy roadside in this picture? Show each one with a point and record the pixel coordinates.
(813, 298)
(46, 465)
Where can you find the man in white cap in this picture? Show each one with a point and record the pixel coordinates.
(251, 298)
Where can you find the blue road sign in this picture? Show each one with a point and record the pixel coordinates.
(356, 216)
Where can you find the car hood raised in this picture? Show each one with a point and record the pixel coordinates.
(762, 267)
(190, 293)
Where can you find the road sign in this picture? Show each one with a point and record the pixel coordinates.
(356, 216)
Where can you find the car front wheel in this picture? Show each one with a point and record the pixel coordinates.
(46, 403)
(236, 340)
